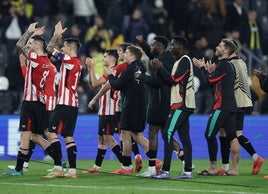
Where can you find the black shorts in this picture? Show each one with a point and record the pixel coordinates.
(117, 122)
(133, 120)
(221, 119)
(46, 119)
(106, 125)
(31, 117)
(63, 120)
(158, 115)
(240, 121)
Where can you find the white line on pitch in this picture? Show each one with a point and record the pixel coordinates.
(124, 188)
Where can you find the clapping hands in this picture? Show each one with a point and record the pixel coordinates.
(109, 71)
(90, 63)
(156, 64)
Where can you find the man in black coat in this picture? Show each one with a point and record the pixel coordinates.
(159, 98)
(133, 115)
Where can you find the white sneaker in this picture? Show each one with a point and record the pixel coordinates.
(184, 176)
(55, 173)
(11, 167)
(25, 169)
(71, 174)
(49, 170)
(63, 165)
(147, 173)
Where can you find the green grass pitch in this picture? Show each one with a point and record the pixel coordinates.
(105, 183)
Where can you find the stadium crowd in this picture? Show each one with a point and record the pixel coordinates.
(104, 24)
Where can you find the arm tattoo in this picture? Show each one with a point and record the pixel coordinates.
(24, 50)
(54, 42)
(23, 40)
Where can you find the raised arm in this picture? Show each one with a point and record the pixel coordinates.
(21, 44)
(145, 47)
(55, 40)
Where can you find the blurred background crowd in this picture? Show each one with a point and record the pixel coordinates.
(104, 24)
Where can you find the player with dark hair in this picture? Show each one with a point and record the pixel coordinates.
(182, 105)
(118, 106)
(106, 112)
(33, 105)
(132, 119)
(244, 102)
(64, 117)
(158, 100)
(222, 78)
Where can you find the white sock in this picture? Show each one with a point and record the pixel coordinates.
(151, 168)
(96, 167)
(188, 173)
(72, 170)
(58, 167)
(225, 166)
(127, 167)
(255, 156)
(25, 164)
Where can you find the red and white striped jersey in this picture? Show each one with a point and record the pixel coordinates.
(50, 88)
(117, 94)
(110, 102)
(117, 98)
(37, 71)
(107, 104)
(70, 70)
